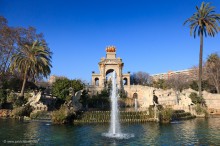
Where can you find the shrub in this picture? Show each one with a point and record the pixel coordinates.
(63, 115)
(165, 115)
(22, 111)
(12, 97)
(101, 101)
(61, 87)
(201, 110)
(20, 101)
(195, 98)
(3, 95)
(38, 115)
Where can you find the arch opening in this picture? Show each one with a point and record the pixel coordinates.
(125, 81)
(135, 95)
(97, 81)
(108, 74)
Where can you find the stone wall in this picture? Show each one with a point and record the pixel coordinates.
(165, 97)
(145, 95)
(168, 97)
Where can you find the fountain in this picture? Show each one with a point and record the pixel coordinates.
(135, 104)
(115, 131)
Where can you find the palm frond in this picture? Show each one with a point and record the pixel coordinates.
(204, 21)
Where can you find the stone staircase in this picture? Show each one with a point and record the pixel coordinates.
(126, 116)
(104, 117)
(181, 115)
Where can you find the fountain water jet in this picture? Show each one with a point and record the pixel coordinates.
(115, 131)
(135, 104)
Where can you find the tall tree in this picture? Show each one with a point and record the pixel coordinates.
(7, 46)
(32, 60)
(61, 87)
(204, 21)
(213, 70)
(177, 83)
(140, 78)
(12, 40)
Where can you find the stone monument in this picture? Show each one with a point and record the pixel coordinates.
(107, 65)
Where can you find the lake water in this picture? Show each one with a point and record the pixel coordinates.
(192, 132)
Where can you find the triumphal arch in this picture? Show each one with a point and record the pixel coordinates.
(106, 66)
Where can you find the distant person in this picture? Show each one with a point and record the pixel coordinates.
(155, 98)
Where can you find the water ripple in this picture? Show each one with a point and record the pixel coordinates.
(192, 132)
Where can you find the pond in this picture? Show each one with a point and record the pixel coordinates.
(192, 132)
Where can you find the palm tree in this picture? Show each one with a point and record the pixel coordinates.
(203, 22)
(32, 60)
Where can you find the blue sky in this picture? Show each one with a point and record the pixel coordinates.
(149, 34)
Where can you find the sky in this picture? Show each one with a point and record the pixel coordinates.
(149, 34)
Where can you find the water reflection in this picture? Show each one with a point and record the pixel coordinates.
(192, 132)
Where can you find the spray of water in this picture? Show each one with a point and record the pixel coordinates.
(115, 130)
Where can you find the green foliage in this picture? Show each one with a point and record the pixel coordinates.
(12, 97)
(3, 95)
(202, 23)
(62, 86)
(122, 93)
(208, 87)
(58, 103)
(63, 115)
(195, 98)
(166, 115)
(38, 115)
(205, 86)
(194, 85)
(32, 61)
(64, 94)
(20, 101)
(201, 110)
(15, 84)
(84, 98)
(100, 100)
(22, 111)
(76, 85)
(68, 98)
(151, 111)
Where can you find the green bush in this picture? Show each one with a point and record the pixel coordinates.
(84, 98)
(195, 98)
(151, 111)
(205, 86)
(61, 87)
(38, 115)
(201, 110)
(22, 111)
(12, 97)
(101, 101)
(63, 115)
(3, 95)
(20, 101)
(166, 115)
(68, 98)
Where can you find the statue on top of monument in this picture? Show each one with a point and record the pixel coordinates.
(110, 49)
